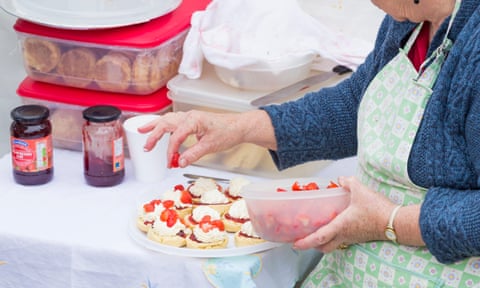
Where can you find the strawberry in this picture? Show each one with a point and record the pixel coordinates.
(178, 187)
(168, 203)
(296, 186)
(148, 207)
(311, 186)
(332, 185)
(174, 160)
(186, 197)
(281, 190)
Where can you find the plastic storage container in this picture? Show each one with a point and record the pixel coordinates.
(137, 59)
(281, 213)
(66, 105)
(208, 93)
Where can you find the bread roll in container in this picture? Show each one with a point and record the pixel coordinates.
(137, 59)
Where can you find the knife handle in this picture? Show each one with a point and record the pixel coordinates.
(341, 69)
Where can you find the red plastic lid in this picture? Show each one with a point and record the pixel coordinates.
(144, 35)
(151, 103)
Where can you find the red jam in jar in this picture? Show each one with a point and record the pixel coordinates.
(31, 145)
(103, 155)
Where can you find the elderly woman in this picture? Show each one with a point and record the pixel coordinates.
(411, 113)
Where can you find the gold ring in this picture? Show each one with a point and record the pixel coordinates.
(342, 246)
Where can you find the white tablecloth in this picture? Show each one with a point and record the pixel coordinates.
(68, 234)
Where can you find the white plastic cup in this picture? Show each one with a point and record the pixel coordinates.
(148, 166)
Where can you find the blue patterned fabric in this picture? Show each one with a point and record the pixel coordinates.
(446, 153)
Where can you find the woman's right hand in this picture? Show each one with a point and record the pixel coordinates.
(214, 132)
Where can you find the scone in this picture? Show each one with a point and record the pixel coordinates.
(214, 199)
(143, 68)
(113, 72)
(198, 213)
(234, 188)
(197, 188)
(146, 214)
(77, 67)
(181, 198)
(169, 228)
(40, 54)
(236, 216)
(208, 234)
(246, 236)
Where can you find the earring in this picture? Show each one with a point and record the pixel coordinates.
(416, 1)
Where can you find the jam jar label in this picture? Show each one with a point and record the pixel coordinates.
(32, 155)
(118, 155)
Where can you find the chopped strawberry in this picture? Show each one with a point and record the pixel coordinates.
(168, 203)
(311, 186)
(332, 185)
(148, 207)
(178, 187)
(169, 216)
(218, 224)
(186, 197)
(296, 186)
(281, 190)
(174, 160)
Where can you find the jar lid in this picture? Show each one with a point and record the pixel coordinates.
(101, 113)
(144, 35)
(30, 113)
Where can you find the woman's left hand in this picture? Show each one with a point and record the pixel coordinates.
(363, 220)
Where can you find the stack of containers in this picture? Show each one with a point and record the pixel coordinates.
(128, 67)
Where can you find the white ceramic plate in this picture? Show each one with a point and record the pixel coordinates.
(88, 14)
(141, 238)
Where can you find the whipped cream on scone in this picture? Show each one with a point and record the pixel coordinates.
(236, 216)
(181, 198)
(208, 234)
(247, 236)
(235, 187)
(146, 214)
(168, 227)
(200, 186)
(198, 213)
(214, 199)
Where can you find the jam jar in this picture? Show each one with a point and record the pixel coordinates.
(103, 148)
(31, 145)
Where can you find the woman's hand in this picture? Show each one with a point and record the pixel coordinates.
(214, 132)
(362, 221)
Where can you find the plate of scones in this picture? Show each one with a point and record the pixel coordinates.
(199, 219)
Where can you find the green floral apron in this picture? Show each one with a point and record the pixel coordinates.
(389, 116)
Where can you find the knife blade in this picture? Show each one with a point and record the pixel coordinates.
(299, 86)
(195, 177)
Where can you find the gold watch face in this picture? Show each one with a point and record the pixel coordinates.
(390, 234)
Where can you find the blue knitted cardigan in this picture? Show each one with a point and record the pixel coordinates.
(445, 156)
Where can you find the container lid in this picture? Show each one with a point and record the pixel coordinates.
(210, 91)
(101, 113)
(154, 102)
(144, 35)
(88, 14)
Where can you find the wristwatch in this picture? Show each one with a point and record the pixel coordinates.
(390, 230)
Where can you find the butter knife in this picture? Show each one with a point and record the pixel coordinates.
(195, 177)
(299, 86)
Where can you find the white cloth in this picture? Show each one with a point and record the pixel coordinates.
(68, 234)
(236, 33)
